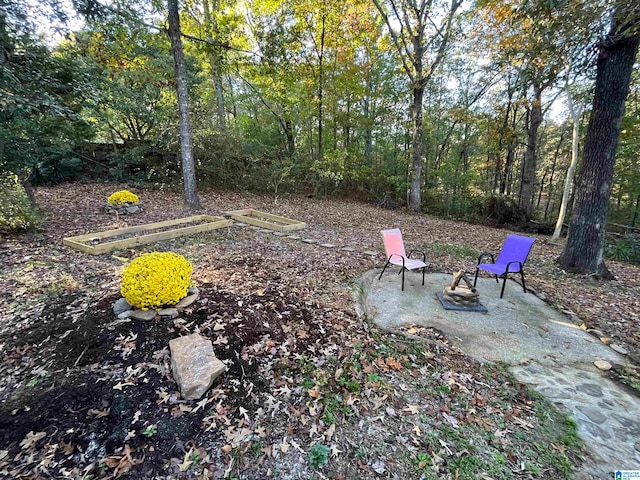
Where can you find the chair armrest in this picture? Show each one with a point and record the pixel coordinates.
(396, 255)
(424, 257)
(486, 254)
(508, 264)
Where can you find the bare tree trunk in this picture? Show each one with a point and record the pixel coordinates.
(415, 189)
(530, 156)
(215, 59)
(191, 200)
(584, 251)
(568, 181)
(320, 87)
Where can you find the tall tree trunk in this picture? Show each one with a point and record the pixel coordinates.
(415, 189)
(368, 130)
(529, 167)
(568, 181)
(191, 200)
(320, 87)
(635, 212)
(215, 58)
(584, 251)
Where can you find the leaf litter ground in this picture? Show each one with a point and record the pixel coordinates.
(87, 395)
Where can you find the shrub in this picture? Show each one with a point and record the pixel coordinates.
(318, 455)
(122, 196)
(624, 249)
(16, 212)
(156, 279)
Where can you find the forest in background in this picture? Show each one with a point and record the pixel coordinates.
(317, 97)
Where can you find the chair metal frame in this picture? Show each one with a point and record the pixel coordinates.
(527, 241)
(396, 232)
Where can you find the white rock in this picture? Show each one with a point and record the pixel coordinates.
(194, 365)
(124, 315)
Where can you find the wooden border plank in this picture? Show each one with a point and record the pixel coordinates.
(77, 242)
(249, 216)
(145, 227)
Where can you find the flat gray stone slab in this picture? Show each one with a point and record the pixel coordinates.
(450, 306)
(607, 416)
(188, 300)
(265, 230)
(544, 349)
(279, 234)
(310, 241)
(518, 328)
(327, 245)
(293, 237)
(143, 315)
(371, 253)
(239, 224)
(348, 249)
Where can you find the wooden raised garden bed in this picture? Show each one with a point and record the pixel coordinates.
(266, 220)
(95, 243)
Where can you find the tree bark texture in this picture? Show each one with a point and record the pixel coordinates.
(584, 251)
(568, 181)
(530, 156)
(216, 62)
(191, 200)
(415, 189)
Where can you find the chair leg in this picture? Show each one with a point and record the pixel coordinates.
(423, 270)
(385, 267)
(524, 288)
(497, 281)
(403, 279)
(475, 279)
(504, 283)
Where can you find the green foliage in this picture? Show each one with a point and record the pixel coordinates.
(150, 431)
(318, 455)
(624, 249)
(16, 212)
(42, 94)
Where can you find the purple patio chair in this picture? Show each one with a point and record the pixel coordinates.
(394, 248)
(511, 260)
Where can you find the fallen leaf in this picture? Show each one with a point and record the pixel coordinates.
(411, 409)
(31, 439)
(379, 467)
(284, 446)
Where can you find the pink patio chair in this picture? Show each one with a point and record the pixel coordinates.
(394, 248)
(511, 260)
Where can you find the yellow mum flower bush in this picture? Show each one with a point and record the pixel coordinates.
(156, 280)
(121, 197)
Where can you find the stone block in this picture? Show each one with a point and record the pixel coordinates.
(194, 365)
(144, 315)
(188, 300)
(121, 306)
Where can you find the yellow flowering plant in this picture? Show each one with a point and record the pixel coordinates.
(156, 280)
(122, 196)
